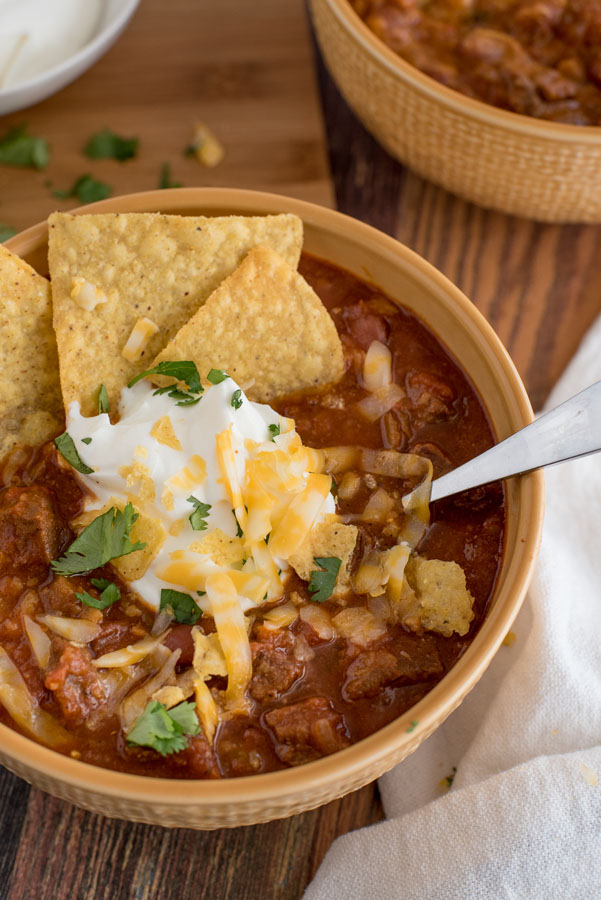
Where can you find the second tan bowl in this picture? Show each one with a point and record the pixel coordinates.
(408, 279)
(498, 159)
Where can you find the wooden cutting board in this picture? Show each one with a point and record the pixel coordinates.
(243, 68)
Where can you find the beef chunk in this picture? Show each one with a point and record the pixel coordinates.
(275, 667)
(406, 660)
(431, 398)
(76, 685)
(307, 730)
(365, 323)
(199, 758)
(30, 533)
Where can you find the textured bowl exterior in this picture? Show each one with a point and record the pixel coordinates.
(409, 279)
(509, 162)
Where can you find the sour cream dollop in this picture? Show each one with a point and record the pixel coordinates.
(158, 455)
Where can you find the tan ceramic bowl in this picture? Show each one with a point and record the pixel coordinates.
(405, 277)
(513, 163)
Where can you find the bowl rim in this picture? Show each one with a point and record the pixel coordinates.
(455, 100)
(95, 44)
(352, 761)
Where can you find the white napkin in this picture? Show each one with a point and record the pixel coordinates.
(522, 820)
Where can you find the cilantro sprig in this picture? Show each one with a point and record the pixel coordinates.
(110, 593)
(237, 399)
(108, 145)
(105, 538)
(322, 582)
(66, 447)
(201, 511)
(165, 730)
(274, 430)
(165, 178)
(183, 370)
(6, 232)
(17, 148)
(86, 189)
(184, 609)
(103, 400)
(216, 376)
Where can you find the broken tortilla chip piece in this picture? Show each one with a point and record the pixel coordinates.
(142, 265)
(441, 600)
(146, 529)
(31, 407)
(263, 325)
(328, 538)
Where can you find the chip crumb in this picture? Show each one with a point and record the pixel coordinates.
(164, 432)
(510, 639)
(205, 146)
(75, 754)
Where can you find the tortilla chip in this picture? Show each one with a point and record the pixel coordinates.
(328, 538)
(224, 550)
(266, 326)
(442, 601)
(146, 529)
(108, 271)
(31, 408)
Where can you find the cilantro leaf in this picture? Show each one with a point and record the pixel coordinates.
(237, 399)
(17, 148)
(103, 400)
(183, 370)
(66, 447)
(6, 232)
(322, 583)
(108, 145)
(239, 532)
(334, 487)
(274, 430)
(86, 440)
(110, 593)
(185, 610)
(164, 730)
(105, 538)
(165, 178)
(86, 189)
(216, 376)
(201, 511)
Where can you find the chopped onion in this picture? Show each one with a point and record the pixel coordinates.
(378, 507)
(39, 641)
(349, 485)
(370, 576)
(163, 620)
(282, 615)
(379, 607)
(302, 649)
(21, 706)
(127, 656)
(380, 402)
(377, 366)
(319, 620)
(358, 625)
(79, 630)
(134, 705)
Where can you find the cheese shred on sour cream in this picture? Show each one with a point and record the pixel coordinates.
(225, 491)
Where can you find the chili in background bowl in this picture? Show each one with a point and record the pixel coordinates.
(408, 279)
(498, 159)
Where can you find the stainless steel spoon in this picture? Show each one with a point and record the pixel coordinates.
(570, 430)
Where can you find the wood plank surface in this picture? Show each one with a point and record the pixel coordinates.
(251, 80)
(243, 69)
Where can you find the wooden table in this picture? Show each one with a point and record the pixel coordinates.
(539, 286)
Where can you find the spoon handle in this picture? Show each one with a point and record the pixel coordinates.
(570, 430)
